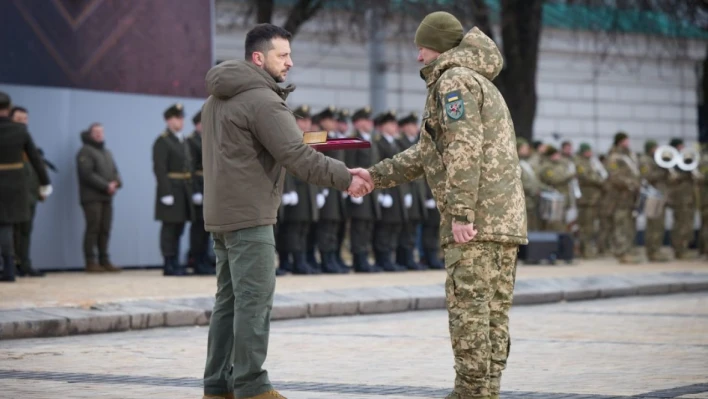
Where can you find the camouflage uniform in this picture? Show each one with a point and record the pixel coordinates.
(657, 177)
(682, 201)
(467, 152)
(557, 175)
(532, 189)
(591, 184)
(703, 195)
(625, 183)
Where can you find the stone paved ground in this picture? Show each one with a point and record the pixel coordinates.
(639, 347)
(65, 289)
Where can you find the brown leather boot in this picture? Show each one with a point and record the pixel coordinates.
(272, 394)
(109, 267)
(94, 268)
(224, 396)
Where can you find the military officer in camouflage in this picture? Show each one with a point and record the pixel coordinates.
(467, 153)
(682, 200)
(531, 183)
(658, 178)
(591, 182)
(624, 180)
(554, 172)
(172, 165)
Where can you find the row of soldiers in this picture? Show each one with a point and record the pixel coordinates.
(385, 222)
(605, 191)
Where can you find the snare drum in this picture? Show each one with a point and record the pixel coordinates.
(651, 202)
(551, 206)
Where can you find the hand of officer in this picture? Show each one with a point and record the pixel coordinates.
(357, 200)
(45, 191)
(197, 198)
(112, 187)
(463, 232)
(362, 184)
(320, 201)
(168, 200)
(408, 200)
(430, 204)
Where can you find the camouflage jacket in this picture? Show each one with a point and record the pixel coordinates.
(654, 174)
(467, 148)
(590, 180)
(623, 176)
(681, 189)
(557, 175)
(531, 183)
(703, 185)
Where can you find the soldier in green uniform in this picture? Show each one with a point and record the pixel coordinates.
(554, 173)
(363, 211)
(467, 153)
(99, 182)
(604, 213)
(332, 208)
(198, 237)
(591, 182)
(23, 231)
(537, 157)
(172, 165)
(532, 184)
(624, 180)
(414, 199)
(658, 178)
(394, 212)
(682, 200)
(15, 141)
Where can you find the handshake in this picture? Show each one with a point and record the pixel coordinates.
(361, 184)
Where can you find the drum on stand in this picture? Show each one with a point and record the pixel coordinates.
(552, 206)
(651, 202)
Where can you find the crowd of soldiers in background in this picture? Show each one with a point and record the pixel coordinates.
(316, 225)
(610, 191)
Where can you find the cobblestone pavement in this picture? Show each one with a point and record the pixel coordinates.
(70, 289)
(639, 347)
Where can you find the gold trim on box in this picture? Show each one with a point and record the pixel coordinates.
(315, 137)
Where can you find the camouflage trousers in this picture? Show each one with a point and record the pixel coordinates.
(654, 234)
(479, 291)
(604, 235)
(586, 230)
(704, 232)
(682, 230)
(623, 232)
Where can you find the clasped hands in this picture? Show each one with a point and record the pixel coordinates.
(362, 183)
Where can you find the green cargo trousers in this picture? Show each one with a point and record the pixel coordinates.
(240, 322)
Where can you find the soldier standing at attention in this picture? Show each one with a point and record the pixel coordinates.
(591, 183)
(604, 234)
(393, 200)
(364, 211)
(658, 178)
(467, 152)
(414, 199)
(555, 173)
(15, 141)
(99, 182)
(531, 183)
(23, 231)
(198, 237)
(624, 180)
(682, 200)
(172, 165)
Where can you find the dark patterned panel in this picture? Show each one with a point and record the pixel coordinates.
(152, 47)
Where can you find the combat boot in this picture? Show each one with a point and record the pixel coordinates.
(433, 261)
(224, 396)
(629, 260)
(383, 260)
(311, 259)
(272, 394)
(409, 261)
(179, 269)
(107, 266)
(343, 267)
(362, 265)
(657, 257)
(202, 267)
(300, 265)
(25, 269)
(93, 267)
(284, 261)
(8, 269)
(329, 263)
(168, 267)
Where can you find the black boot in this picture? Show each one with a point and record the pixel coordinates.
(401, 256)
(280, 272)
(202, 266)
(177, 268)
(168, 267)
(409, 260)
(284, 262)
(329, 263)
(431, 257)
(311, 259)
(362, 265)
(300, 265)
(343, 267)
(8, 269)
(25, 269)
(383, 260)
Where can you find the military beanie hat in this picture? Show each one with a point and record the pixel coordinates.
(649, 145)
(520, 141)
(584, 147)
(550, 150)
(439, 31)
(675, 142)
(619, 137)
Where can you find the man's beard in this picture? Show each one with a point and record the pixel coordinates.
(275, 74)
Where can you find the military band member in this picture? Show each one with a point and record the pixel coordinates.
(394, 212)
(555, 173)
(198, 237)
(682, 200)
(332, 210)
(658, 178)
(591, 182)
(414, 199)
(624, 180)
(15, 141)
(364, 211)
(604, 213)
(172, 166)
(532, 184)
(538, 155)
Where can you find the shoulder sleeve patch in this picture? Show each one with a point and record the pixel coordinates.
(549, 173)
(454, 105)
(613, 165)
(580, 169)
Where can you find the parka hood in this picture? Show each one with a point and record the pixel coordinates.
(231, 78)
(476, 51)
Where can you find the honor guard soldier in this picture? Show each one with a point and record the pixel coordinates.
(591, 180)
(172, 165)
(331, 205)
(392, 200)
(364, 211)
(198, 237)
(300, 212)
(15, 141)
(414, 200)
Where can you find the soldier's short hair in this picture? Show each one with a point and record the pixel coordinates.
(5, 101)
(259, 38)
(16, 109)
